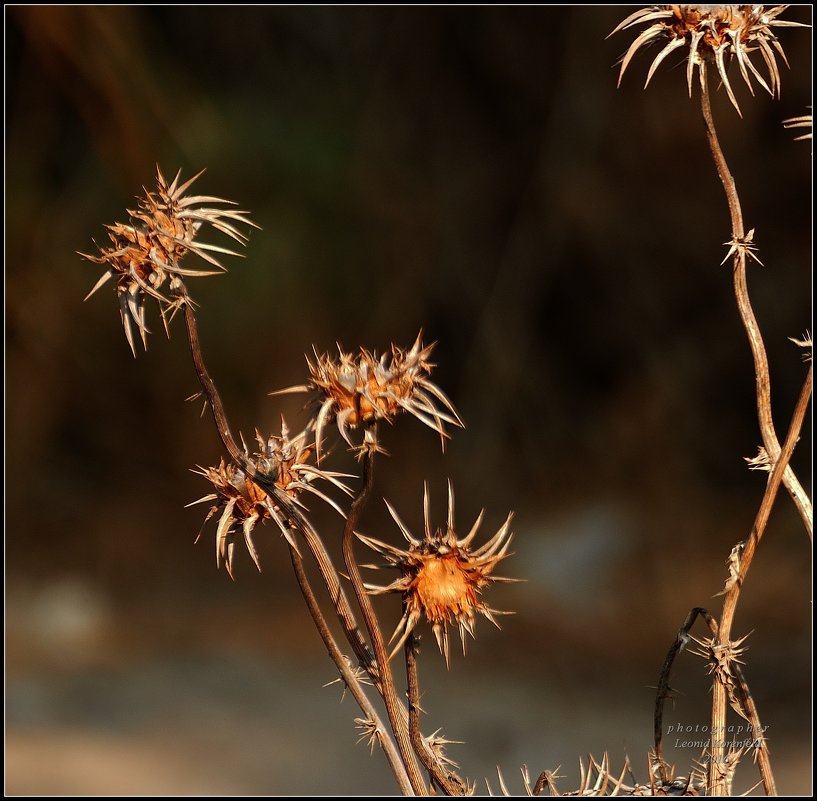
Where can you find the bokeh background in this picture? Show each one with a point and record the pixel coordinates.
(471, 172)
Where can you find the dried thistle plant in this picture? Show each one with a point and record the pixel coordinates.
(147, 252)
(359, 390)
(712, 34)
(442, 577)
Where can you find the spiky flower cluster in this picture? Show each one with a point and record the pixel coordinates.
(713, 34)
(147, 252)
(442, 578)
(243, 504)
(358, 390)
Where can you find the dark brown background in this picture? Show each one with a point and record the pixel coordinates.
(473, 172)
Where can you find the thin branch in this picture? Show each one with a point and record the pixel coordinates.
(449, 783)
(348, 675)
(388, 690)
(761, 362)
(663, 690)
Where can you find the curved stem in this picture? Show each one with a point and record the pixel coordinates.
(747, 315)
(394, 708)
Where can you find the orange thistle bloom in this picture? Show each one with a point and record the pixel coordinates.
(244, 504)
(711, 35)
(442, 578)
(359, 391)
(147, 252)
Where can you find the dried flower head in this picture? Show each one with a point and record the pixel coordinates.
(243, 504)
(713, 34)
(442, 578)
(358, 390)
(147, 252)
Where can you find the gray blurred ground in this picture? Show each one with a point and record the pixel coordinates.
(471, 172)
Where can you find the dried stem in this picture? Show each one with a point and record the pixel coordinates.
(663, 691)
(388, 690)
(763, 385)
(348, 675)
(449, 783)
(761, 747)
(732, 595)
(718, 780)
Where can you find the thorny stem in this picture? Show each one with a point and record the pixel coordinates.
(349, 677)
(388, 690)
(449, 783)
(719, 691)
(718, 781)
(761, 362)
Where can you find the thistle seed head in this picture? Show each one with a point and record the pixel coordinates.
(243, 504)
(358, 390)
(146, 254)
(713, 35)
(442, 577)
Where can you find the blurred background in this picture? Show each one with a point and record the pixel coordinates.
(470, 172)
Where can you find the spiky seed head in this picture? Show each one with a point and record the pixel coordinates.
(712, 34)
(146, 254)
(243, 504)
(358, 390)
(442, 576)
(240, 503)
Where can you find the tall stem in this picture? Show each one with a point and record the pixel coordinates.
(394, 708)
(719, 781)
(747, 315)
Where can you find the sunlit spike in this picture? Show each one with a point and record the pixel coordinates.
(491, 546)
(472, 533)
(640, 40)
(450, 506)
(291, 390)
(223, 531)
(323, 497)
(673, 45)
(693, 58)
(415, 543)
(719, 60)
(320, 423)
(176, 193)
(426, 511)
(248, 525)
(204, 499)
(103, 279)
(124, 313)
